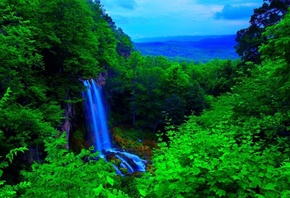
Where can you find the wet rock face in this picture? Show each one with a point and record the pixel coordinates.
(66, 126)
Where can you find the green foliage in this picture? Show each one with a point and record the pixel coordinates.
(217, 76)
(8, 190)
(4, 99)
(62, 26)
(65, 174)
(250, 39)
(264, 97)
(107, 40)
(221, 111)
(124, 44)
(208, 162)
(159, 85)
(278, 41)
(176, 80)
(276, 53)
(24, 126)
(233, 148)
(178, 89)
(46, 48)
(19, 59)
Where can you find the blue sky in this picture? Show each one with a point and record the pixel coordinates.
(155, 18)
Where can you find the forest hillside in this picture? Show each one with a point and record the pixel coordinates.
(196, 49)
(218, 128)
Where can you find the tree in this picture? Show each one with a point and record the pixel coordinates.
(107, 55)
(216, 76)
(276, 62)
(28, 113)
(63, 25)
(124, 45)
(249, 39)
(277, 47)
(148, 95)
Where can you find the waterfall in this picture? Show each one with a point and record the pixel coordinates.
(96, 124)
(96, 117)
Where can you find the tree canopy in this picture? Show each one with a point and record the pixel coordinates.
(206, 129)
(249, 39)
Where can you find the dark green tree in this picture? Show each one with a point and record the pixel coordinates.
(249, 39)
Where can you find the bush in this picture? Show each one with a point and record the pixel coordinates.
(68, 175)
(208, 162)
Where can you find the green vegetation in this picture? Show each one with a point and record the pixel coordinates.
(249, 39)
(215, 129)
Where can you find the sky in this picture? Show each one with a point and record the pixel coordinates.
(161, 18)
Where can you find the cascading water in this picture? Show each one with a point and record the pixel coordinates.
(96, 117)
(97, 126)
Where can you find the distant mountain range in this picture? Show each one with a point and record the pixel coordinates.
(189, 48)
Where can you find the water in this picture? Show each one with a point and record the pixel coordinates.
(96, 117)
(97, 126)
(125, 164)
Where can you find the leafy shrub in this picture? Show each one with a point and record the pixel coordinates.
(208, 162)
(65, 174)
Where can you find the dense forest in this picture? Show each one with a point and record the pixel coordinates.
(214, 129)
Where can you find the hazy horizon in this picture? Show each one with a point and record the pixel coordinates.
(189, 37)
(166, 18)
